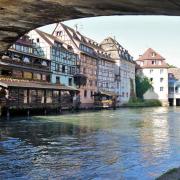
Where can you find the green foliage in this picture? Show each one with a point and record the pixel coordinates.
(171, 66)
(136, 102)
(80, 80)
(142, 85)
(132, 93)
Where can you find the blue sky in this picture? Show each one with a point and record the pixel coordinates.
(135, 33)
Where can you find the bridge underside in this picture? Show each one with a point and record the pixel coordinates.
(20, 16)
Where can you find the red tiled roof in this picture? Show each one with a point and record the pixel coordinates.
(148, 55)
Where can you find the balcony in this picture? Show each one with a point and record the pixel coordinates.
(19, 62)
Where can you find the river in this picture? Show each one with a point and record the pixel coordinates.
(122, 144)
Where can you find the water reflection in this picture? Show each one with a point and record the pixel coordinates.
(109, 145)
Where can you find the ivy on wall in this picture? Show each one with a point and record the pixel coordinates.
(143, 84)
(80, 80)
(132, 89)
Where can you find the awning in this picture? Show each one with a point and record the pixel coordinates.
(106, 93)
(8, 82)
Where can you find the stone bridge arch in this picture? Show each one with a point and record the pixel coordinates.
(20, 16)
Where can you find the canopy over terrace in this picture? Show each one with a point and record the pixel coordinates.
(20, 16)
(25, 94)
(7, 82)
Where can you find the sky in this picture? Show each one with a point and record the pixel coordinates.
(134, 33)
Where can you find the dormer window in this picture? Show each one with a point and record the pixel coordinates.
(153, 54)
(58, 33)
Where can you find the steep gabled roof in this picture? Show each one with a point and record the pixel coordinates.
(151, 54)
(115, 46)
(47, 36)
(75, 35)
(42, 34)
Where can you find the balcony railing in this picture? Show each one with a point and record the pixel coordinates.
(26, 64)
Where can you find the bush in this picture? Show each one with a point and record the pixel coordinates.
(136, 102)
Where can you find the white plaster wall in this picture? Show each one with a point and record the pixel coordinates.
(156, 75)
(42, 43)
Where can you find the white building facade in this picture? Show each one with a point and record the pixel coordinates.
(153, 66)
(124, 69)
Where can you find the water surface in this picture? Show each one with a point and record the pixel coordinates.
(121, 144)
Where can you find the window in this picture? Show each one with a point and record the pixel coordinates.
(153, 62)
(107, 85)
(25, 97)
(17, 74)
(40, 95)
(161, 71)
(151, 70)
(57, 79)
(37, 76)
(85, 93)
(44, 78)
(18, 47)
(73, 70)
(27, 75)
(48, 96)
(153, 54)
(91, 93)
(90, 82)
(37, 40)
(32, 96)
(84, 70)
(70, 81)
(161, 79)
(151, 79)
(63, 69)
(161, 88)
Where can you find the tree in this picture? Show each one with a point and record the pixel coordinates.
(143, 84)
(132, 93)
(171, 66)
(80, 80)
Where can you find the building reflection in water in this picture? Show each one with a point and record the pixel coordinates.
(154, 137)
(106, 144)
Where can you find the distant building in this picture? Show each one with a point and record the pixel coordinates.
(174, 86)
(124, 69)
(63, 59)
(153, 65)
(94, 63)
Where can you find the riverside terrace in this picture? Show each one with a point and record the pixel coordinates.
(19, 94)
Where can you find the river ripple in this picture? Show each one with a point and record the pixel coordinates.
(121, 144)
